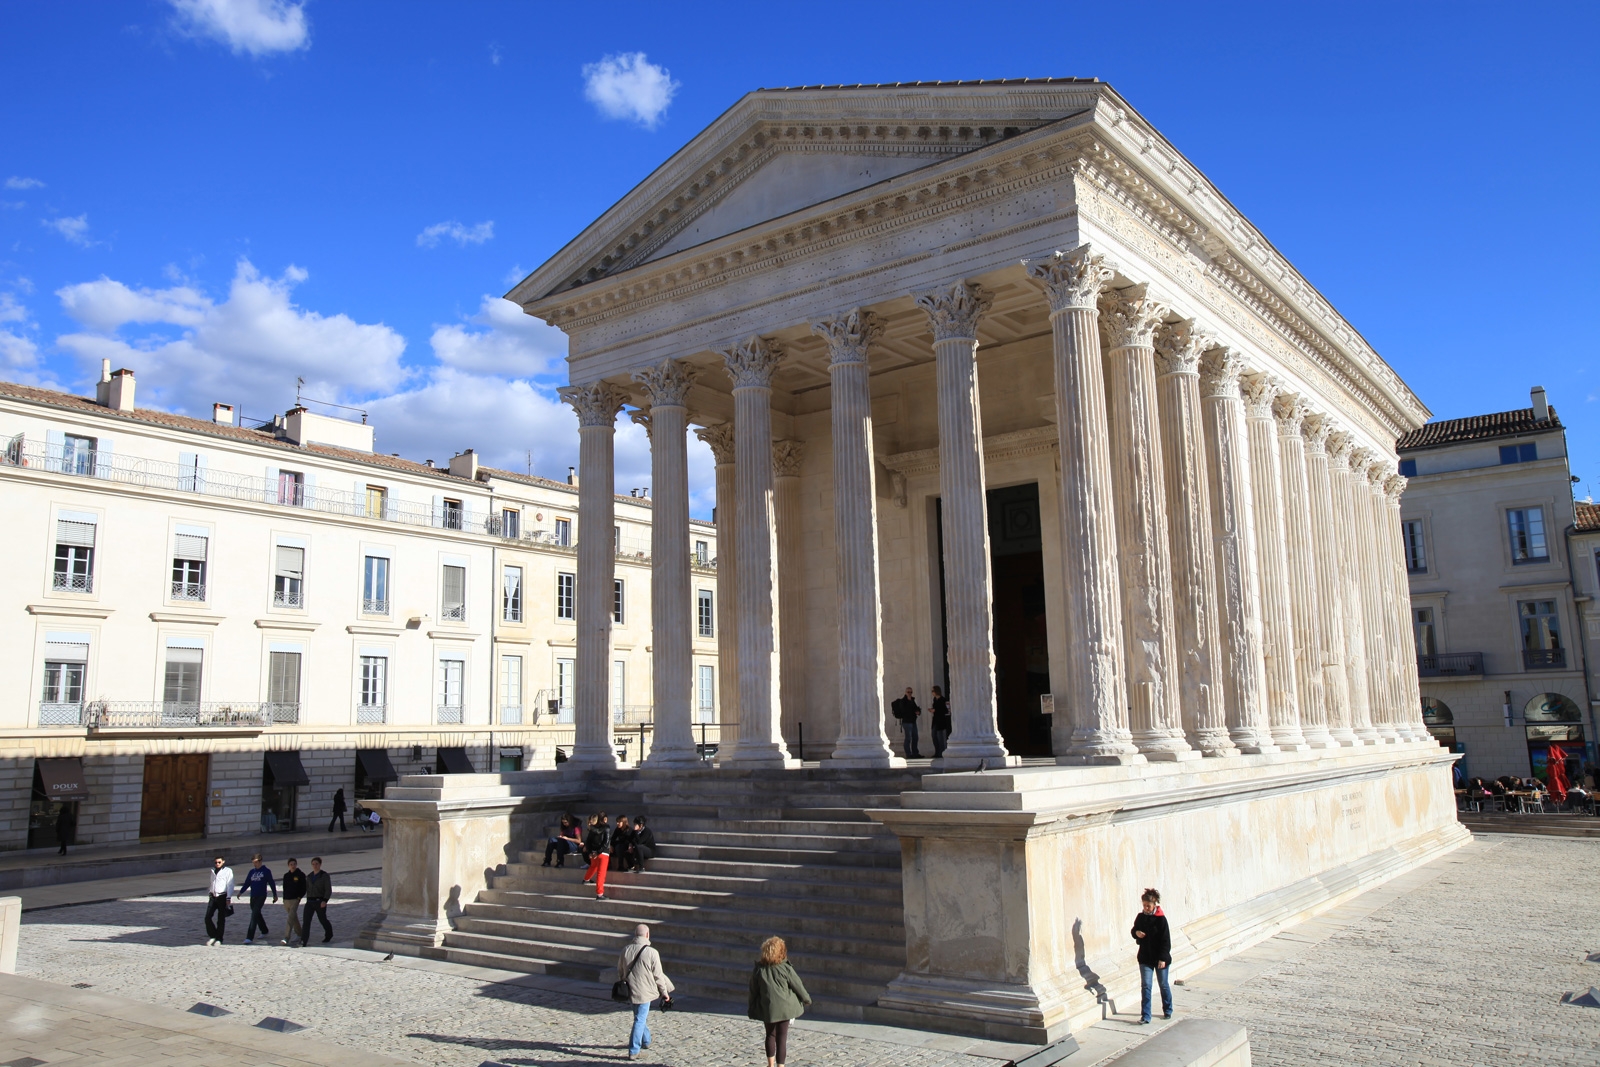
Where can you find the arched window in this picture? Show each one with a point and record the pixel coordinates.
(1436, 712)
(1551, 707)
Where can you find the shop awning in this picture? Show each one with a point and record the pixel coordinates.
(454, 761)
(286, 769)
(374, 763)
(62, 779)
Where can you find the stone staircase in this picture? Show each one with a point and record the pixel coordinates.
(741, 857)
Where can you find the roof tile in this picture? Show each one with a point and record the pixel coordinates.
(1477, 428)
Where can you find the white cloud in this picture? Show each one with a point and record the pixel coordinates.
(628, 86)
(461, 235)
(514, 345)
(15, 182)
(248, 348)
(259, 27)
(74, 229)
(19, 353)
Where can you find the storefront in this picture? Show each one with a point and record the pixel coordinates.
(510, 760)
(453, 761)
(282, 775)
(1552, 718)
(58, 787)
(1441, 724)
(373, 772)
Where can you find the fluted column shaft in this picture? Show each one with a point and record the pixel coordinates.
(1407, 686)
(862, 741)
(760, 743)
(1194, 575)
(1372, 612)
(786, 456)
(671, 608)
(1091, 722)
(1344, 485)
(1241, 668)
(720, 438)
(1300, 557)
(1376, 565)
(1266, 490)
(597, 406)
(1129, 319)
(1330, 613)
(969, 600)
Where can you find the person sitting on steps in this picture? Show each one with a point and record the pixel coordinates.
(644, 844)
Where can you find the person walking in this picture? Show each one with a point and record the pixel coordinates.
(294, 891)
(1154, 938)
(644, 844)
(597, 846)
(220, 904)
(66, 824)
(338, 811)
(906, 710)
(257, 879)
(777, 996)
(940, 722)
(639, 965)
(319, 890)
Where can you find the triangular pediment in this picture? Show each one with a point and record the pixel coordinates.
(778, 151)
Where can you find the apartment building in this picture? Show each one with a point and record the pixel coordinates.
(1499, 588)
(212, 627)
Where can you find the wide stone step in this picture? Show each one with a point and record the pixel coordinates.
(719, 925)
(777, 828)
(882, 907)
(864, 885)
(792, 838)
(824, 857)
(769, 868)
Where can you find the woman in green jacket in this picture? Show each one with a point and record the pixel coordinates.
(776, 996)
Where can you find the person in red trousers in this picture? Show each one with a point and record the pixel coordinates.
(598, 845)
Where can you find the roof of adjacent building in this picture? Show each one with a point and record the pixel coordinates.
(1588, 516)
(933, 84)
(1478, 428)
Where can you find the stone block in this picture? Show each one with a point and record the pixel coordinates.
(1191, 1043)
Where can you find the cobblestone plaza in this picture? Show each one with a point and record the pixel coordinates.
(1464, 961)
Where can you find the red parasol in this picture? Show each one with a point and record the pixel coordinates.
(1556, 768)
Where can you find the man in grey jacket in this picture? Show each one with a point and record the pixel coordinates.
(640, 966)
(319, 889)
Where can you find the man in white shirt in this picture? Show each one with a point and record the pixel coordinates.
(221, 888)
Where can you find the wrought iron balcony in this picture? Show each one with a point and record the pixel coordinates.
(1446, 664)
(188, 590)
(454, 613)
(449, 713)
(370, 606)
(60, 713)
(511, 715)
(66, 582)
(178, 714)
(283, 711)
(1534, 659)
(282, 598)
(372, 713)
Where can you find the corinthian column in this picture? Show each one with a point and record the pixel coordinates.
(1095, 726)
(1194, 574)
(720, 438)
(786, 456)
(1343, 483)
(1266, 492)
(597, 406)
(1242, 672)
(953, 313)
(1407, 688)
(862, 741)
(1300, 557)
(1380, 628)
(1129, 319)
(1325, 550)
(760, 743)
(671, 612)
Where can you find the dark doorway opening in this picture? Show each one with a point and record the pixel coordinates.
(173, 804)
(1021, 641)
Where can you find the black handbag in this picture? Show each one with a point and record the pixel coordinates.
(619, 989)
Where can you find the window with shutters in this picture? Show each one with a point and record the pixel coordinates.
(564, 532)
(375, 586)
(619, 689)
(704, 614)
(374, 689)
(453, 607)
(291, 488)
(511, 595)
(510, 523)
(377, 501)
(706, 691)
(1416, 550)
(77, 455)
(617, 600)
(564, 595)
(181, 686)
(511, 690)
(451, 516)
(702, 553)
(283, 686)
(566, 675)
(288, 577)
(452, 674)
(65, 666)
(74, 562)
(189, 567)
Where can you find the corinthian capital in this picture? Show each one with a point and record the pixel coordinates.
(1178, 348)
(1259, 391)
(849, 335)
(667, 383)
(752, 363)
(1315, 429)
(1129, 317)
(1071, 279)
(1220, 367)
(641, 417)
(1393, 486)
(1290, 409)
(1379, 472)
(954, 312)
(720, 438)
(1361, 460)
(786, 456)
(596, 405)
(1339, 445)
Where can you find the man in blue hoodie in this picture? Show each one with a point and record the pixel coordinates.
(258, 879)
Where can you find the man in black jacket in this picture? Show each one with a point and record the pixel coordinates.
(644, 843)
(294, 891)
(319, 889)
(906, 710)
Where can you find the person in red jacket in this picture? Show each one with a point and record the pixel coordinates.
(1154, 939)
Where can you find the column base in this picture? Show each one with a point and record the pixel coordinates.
(865, 754)
(406, 934)
(1290, 740)
(1253, 742)
(1104, 759)
(1322, 741)
(1346, 737)
(747, 756)
(1215, 744)
(973, 751)
(683, 759)
(1163, 747)
(948, 762)
(1097, 748)
(592, 758)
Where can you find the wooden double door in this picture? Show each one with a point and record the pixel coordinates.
(174, 803)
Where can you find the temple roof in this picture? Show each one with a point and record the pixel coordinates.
(1513, 423)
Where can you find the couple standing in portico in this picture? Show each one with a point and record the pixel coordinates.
(907, 711)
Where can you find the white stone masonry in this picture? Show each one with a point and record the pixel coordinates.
(720, 439)
(1343, 482)
(1330, 611)
(1300, 556)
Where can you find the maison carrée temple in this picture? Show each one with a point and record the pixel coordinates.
(1006, 397)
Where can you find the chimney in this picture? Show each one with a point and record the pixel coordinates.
(222, 414)
(1541, 407)
(102, 389)
(465, 465)
(572, 475)
(119, 395)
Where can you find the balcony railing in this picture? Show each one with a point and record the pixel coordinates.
(175, 714)
(371, 713)
(449, 713)
(188, 590)
(283, 711)
(454, 613)
(283, 599)
(374, 607)
(511, 715)
(1534, 659)
(58, 713)
(1445, 664)
(62, 581)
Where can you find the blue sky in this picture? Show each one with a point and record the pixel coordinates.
(229, 194)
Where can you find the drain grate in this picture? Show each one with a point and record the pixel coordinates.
(82, 985)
